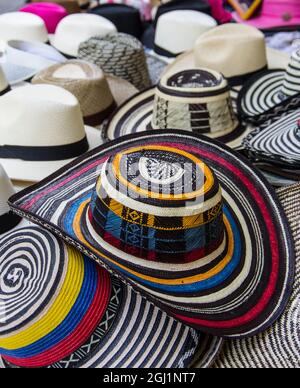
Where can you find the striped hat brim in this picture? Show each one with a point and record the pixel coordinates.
(240, 296)
(278, 347)
(135, 116)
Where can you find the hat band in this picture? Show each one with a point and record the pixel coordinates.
(45, 154)
(163, 52)
(241, 79)
(6, 90)
(8, 221)
(98, 118)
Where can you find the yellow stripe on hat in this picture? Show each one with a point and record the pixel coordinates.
(63, 303)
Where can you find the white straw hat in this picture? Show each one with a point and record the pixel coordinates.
(41, 129)
(77, 28)
(24, 26)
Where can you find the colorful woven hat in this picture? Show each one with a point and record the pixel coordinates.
(97, 93)
(119, 54)
(59, 309)
(184, 219)
(196, 100)
(271, 92)
(279, 346)
(51, 13)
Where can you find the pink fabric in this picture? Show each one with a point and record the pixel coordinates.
(218, 11)
(51, 13)
(275, 13)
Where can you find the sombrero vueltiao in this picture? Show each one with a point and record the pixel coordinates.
(184, 219)
(271, 93)
(195, 100)
(62, 310)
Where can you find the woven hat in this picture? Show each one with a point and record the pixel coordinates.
(279, 346)
(271, 92)
(97, 93)
(23, 26)
(45, 132)
(127, 19)
(77, 28)
(235, 50)
(22, 59)
(196, 100)
(61, 310)
(51, 13)
(118, 54)
(8, 220)
(177, 31)
(186, 220)
(4, 86)
(72, 6)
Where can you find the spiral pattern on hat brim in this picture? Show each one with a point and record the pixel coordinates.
(278, 347)
(216, 305)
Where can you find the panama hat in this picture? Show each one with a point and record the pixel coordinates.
(97, 93)
(64, 311)
(4, 86)
(235, 50)
(24, 26)
(51, 13)
(196, 100)
(77, 28)
(43, 134)
(279, 346)
(184, 219)
(271, 92)
(22, 59)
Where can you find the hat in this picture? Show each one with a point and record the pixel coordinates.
(64, 311)
(72, 6)
(235, 50)
(127, 19)
(23, 26)
(4, 86)
(41, 129)
(183, 218)
(278, 347)
(274, 14)
(11, 5)
(51, 13)
(8, 220)
(24, 59)
(119, 54)
(177, 31)
(77, 28)
(97, 93)
(196, 100)
(269, 92)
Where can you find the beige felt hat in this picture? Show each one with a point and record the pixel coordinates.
(45, 132)
(77, 28)
(97, 93)
(237, 51)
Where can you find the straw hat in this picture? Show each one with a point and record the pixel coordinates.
(97, 93)
(43, 134)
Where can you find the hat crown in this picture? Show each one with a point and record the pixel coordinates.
(196, 100)
(6, 191)
(291, 84)
(159, 204)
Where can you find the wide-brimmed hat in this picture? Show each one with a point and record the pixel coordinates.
(8, 220)
(23, 59)
(119, 54)
(196, 100)
(235, 50)
(61, 310)
(45, 133)
(98, 94)
(51, 13)
(4, 86)
(77, 28)
(270, 93)
(184, 219)
(22, 26)
(279, 346)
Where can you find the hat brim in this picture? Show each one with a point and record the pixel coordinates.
(135, 115)
(29, 171)
(241, 296)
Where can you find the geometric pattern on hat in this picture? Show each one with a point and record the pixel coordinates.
(60, 309)
(119, 54)
(279, 346)
(270, 90)
(196, 100)
(231, 287)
